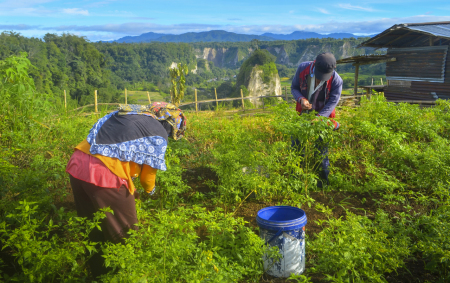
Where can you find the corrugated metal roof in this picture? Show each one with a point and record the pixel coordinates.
(436, 30)
(411, 35)
(363, 58)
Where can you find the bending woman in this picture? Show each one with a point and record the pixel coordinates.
(121, 146)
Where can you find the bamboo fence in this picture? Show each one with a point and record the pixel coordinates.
(196, 102)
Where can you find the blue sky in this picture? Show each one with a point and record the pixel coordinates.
(112, 19)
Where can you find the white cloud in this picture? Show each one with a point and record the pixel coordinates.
(18, 27)
(30, 12)
(14, 4)
(369, 27)
(355, 27)
(32, 8)
(360, 27)
(356, 8)
(100, 3)
(323, 11)
(76, 11)
(143, 18)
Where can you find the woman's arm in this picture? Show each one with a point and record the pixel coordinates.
(148, 178)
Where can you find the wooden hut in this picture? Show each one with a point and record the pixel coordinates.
(421, 68)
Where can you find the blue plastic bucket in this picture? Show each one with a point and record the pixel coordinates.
(283, 227)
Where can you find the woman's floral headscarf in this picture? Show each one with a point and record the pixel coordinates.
(161, 111)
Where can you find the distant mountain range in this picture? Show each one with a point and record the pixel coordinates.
(222, 36)
(308, 34)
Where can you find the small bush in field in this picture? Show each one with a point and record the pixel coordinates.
(358, 249)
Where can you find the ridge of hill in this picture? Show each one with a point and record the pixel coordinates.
(296, 35)
(145, 37)
(204, 36)
(225, 36)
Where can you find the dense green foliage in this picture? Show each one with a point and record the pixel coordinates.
(63, 62)
(360, 249)
(145, 62)
(264, 60)
(71, 63)
(16, 87)
(47, 242)
(396, 153)
(394, 156)
(269, 71)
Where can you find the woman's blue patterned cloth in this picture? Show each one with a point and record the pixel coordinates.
(146, 150)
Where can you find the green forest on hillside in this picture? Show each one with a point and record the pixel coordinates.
(72, 63)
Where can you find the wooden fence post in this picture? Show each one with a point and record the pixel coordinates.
(217, 102)
(381, 81)
(149, 100)
(65, 100)
(126, 96)
(355, 91)
(285, 93)
(95, 109)
(196, 105)
(369, 93)
(242, 98)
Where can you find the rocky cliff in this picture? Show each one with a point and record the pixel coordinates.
(258, 87)
(222, 57)
(258, 76)
(289, 53)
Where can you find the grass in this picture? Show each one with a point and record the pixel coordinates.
(386, 204)
(141, 96)
(347, 91)
(285, 81)
(384, 217)
(367, 79)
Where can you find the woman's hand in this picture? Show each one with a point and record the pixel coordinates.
(305, 104)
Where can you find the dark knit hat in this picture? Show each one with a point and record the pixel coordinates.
(324, 66)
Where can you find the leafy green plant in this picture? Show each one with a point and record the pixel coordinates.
(190, 245)
(309, 133)
(178, 81)
(358, 250)
(16, 87)
(433, 239)
(43, 255)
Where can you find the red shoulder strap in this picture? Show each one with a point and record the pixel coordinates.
(305, 72)
(329, 83)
